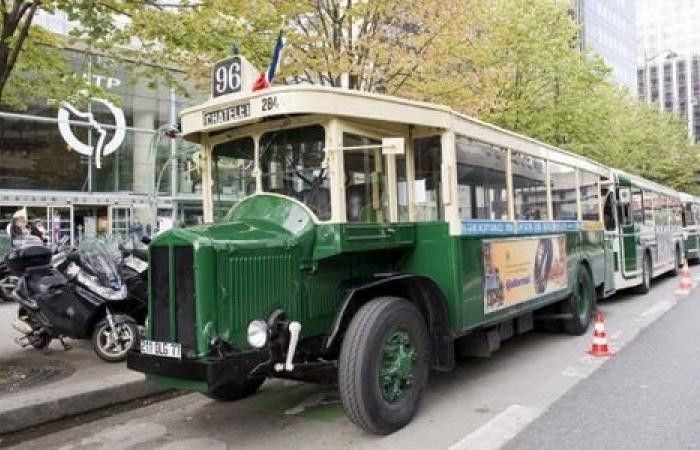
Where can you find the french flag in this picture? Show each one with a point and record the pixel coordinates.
(266, 77)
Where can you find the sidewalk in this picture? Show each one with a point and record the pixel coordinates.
(36, 388)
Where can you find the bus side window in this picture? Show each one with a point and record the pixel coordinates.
(427, 155)
(637, 206)
(365, 181)
(481, 179)
(529, 187)
(609, 213)
(624, 208)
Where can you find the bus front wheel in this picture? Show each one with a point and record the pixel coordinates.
(580, 304)
(383, 365)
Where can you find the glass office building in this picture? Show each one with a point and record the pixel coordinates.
(608, 28)
(41, 172)
(668, 59)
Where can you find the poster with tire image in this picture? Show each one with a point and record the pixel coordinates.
(520, 269)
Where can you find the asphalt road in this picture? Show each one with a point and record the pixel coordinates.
(482, 404)
(646, 397)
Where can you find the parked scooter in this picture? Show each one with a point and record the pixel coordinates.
(83, 298)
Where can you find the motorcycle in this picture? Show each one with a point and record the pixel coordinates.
(83, 297)
(9, 279)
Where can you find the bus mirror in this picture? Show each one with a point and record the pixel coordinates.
(624, 196)
(393, 146)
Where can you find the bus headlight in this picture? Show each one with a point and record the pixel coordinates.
(257, 333)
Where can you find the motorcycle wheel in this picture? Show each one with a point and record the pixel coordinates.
(114, 350)
(40, 341)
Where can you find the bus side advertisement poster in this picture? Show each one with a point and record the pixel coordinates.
(517, 270)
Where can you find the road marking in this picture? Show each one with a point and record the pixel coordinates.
(499, 430)
(573, 372)
(659, 308)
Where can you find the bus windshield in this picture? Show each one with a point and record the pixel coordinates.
(291, 164)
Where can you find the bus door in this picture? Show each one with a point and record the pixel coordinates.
(610, 224)
(630, 245)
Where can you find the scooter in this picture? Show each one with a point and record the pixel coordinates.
(84, 299)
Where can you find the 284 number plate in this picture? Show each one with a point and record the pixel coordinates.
(166, 349)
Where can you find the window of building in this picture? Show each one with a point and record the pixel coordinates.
(529, 188)
(481, 179)
(588, 190)
(290, 162)
(563, 186)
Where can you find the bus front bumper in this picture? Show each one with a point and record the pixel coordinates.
(213, 372)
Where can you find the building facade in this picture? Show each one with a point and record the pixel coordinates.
(608, 28)
(668, 60)
(42, 169)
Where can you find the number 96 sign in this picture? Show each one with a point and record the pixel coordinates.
(226, 77)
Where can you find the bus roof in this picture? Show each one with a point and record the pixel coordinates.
(234, 110)
(688, 198)
(643, 182)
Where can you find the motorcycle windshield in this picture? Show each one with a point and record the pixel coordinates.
(98, 257)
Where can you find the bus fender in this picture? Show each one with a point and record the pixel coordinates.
(420, 290)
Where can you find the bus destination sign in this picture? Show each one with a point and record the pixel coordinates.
(227, 76)
(225, 115)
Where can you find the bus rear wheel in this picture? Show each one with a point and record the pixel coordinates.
(580, 304)
(644, 287)
(383, 365)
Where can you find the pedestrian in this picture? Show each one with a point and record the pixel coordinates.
(39, 230)
(18, 226)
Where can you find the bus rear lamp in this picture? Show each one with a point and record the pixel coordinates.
(294, 329)
(257, 333)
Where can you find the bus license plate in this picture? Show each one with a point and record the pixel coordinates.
(167, 349)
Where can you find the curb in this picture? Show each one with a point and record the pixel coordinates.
(17, 414)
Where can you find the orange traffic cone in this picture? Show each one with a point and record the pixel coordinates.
(685, 285)
(600, 338)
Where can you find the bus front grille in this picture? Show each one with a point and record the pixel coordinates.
(173, 301)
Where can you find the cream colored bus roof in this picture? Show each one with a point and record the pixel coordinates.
(225, 112)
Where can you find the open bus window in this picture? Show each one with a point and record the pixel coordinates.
(290, 162)
(365, 196)
(637, 206)
(481, 178)
(427, 156)
(233, 164)
(529, 188)
(588, 188)
(609, 213)
(563, 182)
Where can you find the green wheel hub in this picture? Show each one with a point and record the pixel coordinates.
(397, 364)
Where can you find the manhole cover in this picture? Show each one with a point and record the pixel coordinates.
(20, 374)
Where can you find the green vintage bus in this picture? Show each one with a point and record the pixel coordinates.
(691, 225)
(369, 240)
(643, 228)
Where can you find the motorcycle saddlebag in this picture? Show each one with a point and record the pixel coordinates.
(69, 315)
(21, 258)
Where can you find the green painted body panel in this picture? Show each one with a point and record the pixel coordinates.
(269, 254)
(630, 249)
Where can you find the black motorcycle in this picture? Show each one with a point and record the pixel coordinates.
(83, 297)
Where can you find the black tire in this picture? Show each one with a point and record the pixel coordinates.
(644, 287)
(235, 390)
(361, 357)
(580, 304)
(128, 335)
(40, 341)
